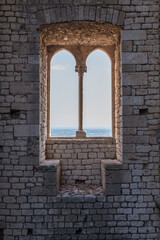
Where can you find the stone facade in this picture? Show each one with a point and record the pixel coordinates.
(31, 206)
(81, 159)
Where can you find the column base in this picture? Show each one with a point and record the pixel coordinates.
(80, 134)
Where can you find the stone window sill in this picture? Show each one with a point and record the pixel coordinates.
(81, 140)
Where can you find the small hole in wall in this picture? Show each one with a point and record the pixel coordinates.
(1, 148)
(78, 231)
(30, 231)
(77, 181)
(143, 111)
(1, 234)
(15, 113)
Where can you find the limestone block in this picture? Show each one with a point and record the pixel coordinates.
(92, 13)
(33, 117)
(75, 11)
(90, 198)
(134, 79)
(24, 106)
(103, 14)
(40, 17)
(33, 59)
(29, 160)
(134, 35)
(33, 146)
(127, 46)
(47, 16)
(109, 2)
(26, 130)
(109, 15)
(121, 18)
(98, 13)
(143, 148)
(113, 189)
(134, 58)
(142, 8)
(24, 88)
(81, 8)
(133, 100)
(52, 13)
(135, 121)
(115, 16)
(21, 47)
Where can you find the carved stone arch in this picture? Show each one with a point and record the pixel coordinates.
(57, 49)
(107, 50)
(80, 37)
(80, 13)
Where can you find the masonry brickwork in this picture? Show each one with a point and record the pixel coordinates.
(32, 207)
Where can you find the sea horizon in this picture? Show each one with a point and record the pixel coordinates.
(90, 132)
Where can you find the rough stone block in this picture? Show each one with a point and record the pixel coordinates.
(134, 58)
(134, 79)
(127, 46)
(26, 130)
(135, 121)
(134, 35)
(133, 100)
(121, 18)
(33, 59)
(24, 88)
(143, 148)
(113, 189)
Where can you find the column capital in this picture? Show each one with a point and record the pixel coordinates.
(81, 69)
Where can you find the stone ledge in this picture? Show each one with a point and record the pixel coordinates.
(50, 164)
(111, 164)
(51, 170)
(64, 140)
(113, 175)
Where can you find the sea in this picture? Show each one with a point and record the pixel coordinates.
(90, 132)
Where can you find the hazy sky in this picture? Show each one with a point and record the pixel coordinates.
(64, 91)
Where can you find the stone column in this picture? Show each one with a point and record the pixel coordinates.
(80, 133)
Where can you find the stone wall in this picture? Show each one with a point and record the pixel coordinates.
(81, 159)
(30, 206)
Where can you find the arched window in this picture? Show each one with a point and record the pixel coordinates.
(80, 93)
(97, 95)
(63, 95)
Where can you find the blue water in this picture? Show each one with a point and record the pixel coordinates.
(90, 132)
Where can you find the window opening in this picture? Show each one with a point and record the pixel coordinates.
(83, 103)
(63, 95)
(97, 95)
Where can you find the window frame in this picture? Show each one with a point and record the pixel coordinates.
(81, 53)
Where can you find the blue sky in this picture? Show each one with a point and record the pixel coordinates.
(64, 91)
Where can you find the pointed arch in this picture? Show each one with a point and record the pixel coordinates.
(100, 49)
(60, 50)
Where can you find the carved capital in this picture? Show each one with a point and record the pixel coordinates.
(81, 69)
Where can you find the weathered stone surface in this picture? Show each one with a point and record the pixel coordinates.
(31, 206)
(134, 79)
(135, 121)
(134, 58)
(134, 35)
(133, 100)
(26, 130)
(127, 46)
(23, 88)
